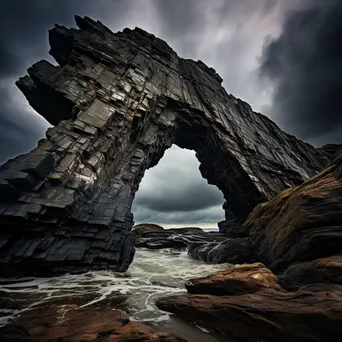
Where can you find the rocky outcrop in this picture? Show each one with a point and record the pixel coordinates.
(159, 240)
(117, 102)
(299, 235)
(155, 237)
(234, 281)
(302, 223)
(331, 149)
(231, 251)
(140, 230)
(73, 324)
(325, 270)
(268, 315)
(246, 303)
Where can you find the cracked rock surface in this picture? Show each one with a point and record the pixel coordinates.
(117, 102)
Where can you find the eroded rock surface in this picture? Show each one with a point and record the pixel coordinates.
(155, 237)
(140, 230)
(231, 251)
(324, 270)
(302, 223)
(246, 303)
(236, 280)
(299, 235)
(73, 324)
(117, 102)
(268, 315)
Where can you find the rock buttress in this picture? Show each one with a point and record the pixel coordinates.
(117, 102)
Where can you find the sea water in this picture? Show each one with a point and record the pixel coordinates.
(153, 274)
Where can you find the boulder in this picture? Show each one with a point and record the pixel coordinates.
(231, 251)
(140, 230)
(73, 324)
(236, 280)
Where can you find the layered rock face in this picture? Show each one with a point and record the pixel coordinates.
(300, 224)
(117, 102)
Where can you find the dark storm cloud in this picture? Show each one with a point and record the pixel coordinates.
(24, 27)
(174, 193)
(19, 129)
(305, 64)
(208, 216)
(169, 198)
(179, 17)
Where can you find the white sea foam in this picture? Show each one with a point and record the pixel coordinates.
(152, 274)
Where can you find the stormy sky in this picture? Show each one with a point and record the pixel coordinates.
(283, 57)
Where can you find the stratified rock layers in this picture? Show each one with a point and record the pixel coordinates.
(301, 224)
(117, 102)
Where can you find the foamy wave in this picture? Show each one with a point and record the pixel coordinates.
(152, 274)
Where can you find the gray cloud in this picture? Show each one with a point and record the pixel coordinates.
(20, 127)
(206, 217)
(24, 27)
(305, 66)
(176, 185)
(175, 194)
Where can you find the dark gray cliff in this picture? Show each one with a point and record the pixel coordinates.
(117, 102)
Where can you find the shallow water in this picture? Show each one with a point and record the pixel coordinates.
(153, 274)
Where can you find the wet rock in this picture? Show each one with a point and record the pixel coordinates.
(236, 280)
(177, 238)
(140, 230)
(331, 149)
(318, 271)
(302, 223)
(233, 229)
(73, 324)
(267, 315)
(118, 101)
(232, 251)
(231, 226)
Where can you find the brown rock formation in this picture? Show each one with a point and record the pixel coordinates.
(234, 281)
(267, 315)
(300, 230)
(325, 270)
(72, 324)
(140, 230)
(302, 223)
(117, 102)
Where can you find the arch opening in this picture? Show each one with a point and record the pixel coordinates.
(174, 194)
(217, 164)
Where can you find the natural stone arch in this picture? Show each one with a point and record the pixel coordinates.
(117, 102)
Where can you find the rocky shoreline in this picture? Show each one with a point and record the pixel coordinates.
(298, 236)
(295, 294)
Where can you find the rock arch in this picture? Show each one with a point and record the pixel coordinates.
(117, 101)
